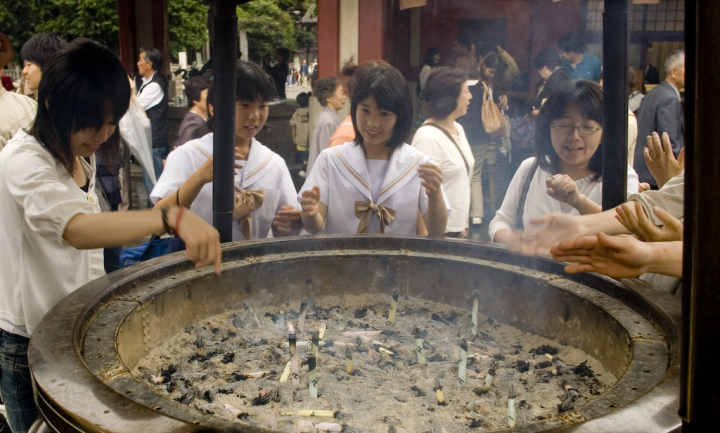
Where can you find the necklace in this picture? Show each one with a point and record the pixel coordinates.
(75, 168)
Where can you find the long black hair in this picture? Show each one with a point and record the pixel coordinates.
(391, 92)
(588, 96)
(81, 86)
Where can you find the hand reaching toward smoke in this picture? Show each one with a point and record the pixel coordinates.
(660, 159)
(632, 216)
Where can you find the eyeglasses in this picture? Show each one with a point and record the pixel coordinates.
(566, 128)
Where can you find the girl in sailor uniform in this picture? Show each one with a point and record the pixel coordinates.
(377, 183)
(265, 196)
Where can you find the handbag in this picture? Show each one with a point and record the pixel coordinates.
(151, 249)
(492, 119)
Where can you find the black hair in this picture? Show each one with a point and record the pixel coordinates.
(325, 88)
(82, 85)
(284, 53)
(194, 87)
(482, 50)
(442, 90)
(356, 72)
(303, 100)
(391, 92)
(588, 96)
(154, 56)
(571, 43)
(547, 57)
(429, 58)
(465, 41)
(251, 84)
(491, 61)
(40, 47)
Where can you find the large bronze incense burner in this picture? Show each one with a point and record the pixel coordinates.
(83, 352)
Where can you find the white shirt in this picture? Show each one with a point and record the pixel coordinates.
(264, 169)
(17, 111)
(456, 168)
(149, 95)
(670, 197)
(539, 203)
(342, 175)
(37, 200)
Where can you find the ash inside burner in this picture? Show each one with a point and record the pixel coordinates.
(231, 366)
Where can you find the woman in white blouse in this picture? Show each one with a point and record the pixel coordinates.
(565, 175)
(52, 231)
(447, 97)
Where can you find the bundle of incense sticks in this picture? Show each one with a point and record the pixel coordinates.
(512, 415)
(301, 319)
(349, 361)
(294, 374)
(476, 304)
(419, 347)
(286, 373)
(249, 309)
(393, 306)
(439, 392)
(462, 365)
(312, 378)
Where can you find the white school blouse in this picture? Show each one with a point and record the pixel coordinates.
(263, 169)
(342, 175)
(539, 203)
(38, 267)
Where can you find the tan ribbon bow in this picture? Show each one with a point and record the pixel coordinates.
(246, 201)
(363, 210)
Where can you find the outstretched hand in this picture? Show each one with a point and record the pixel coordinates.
(202, 241)
(632, 216)
(310, 201)
(660, 159)
(547, 231)
(620, 256)
(287, 221)
(431, 178)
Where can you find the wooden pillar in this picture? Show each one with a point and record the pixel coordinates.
(126, 34)
(328, 37)
(371, 26)
(161, 37)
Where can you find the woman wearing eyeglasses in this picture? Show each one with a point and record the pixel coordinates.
(565, 175)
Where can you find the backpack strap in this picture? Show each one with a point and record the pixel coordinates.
(523, 197)
(467, 166)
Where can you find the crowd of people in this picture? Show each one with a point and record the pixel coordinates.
(64, 147)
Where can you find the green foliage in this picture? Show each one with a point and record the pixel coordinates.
(15, 16)
(268, 27)
(188, 24)
(94, 19)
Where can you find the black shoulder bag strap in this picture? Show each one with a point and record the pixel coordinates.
(467, 166)
(523, 197)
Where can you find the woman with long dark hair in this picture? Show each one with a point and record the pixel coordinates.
(565, 174)
(52, 231)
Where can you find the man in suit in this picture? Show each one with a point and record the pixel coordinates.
(661, 111)
(652, 76)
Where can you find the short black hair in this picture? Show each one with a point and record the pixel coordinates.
(194, 87)
(391, 92)
(491, 61)
(284, 53)
(429, 58)
(303, 100)
(442, 90)
(325, 88)
(547, 57)
(588, 96)
(154, 56)
(40, 47)
(82, 85)
(251, 84)
(571, 43)
(482, 50)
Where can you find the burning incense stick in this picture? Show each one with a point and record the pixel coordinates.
(274, 413)
(301, 319)
(462, 365)
(293, 360)
(321, 413)
(512, 416)
(385, 351)
(291, 330)
(349, 361)
(249, 309)
(321, 331)
(232, 409)
(312, 379)
(393, 306)
(439, 392)
(488, 380)
(286, 373)
(476, 304)
(315, 343)
(419, 347)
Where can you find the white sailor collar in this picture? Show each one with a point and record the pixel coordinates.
(350, 160)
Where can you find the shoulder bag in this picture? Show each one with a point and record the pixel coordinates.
(492, 119)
